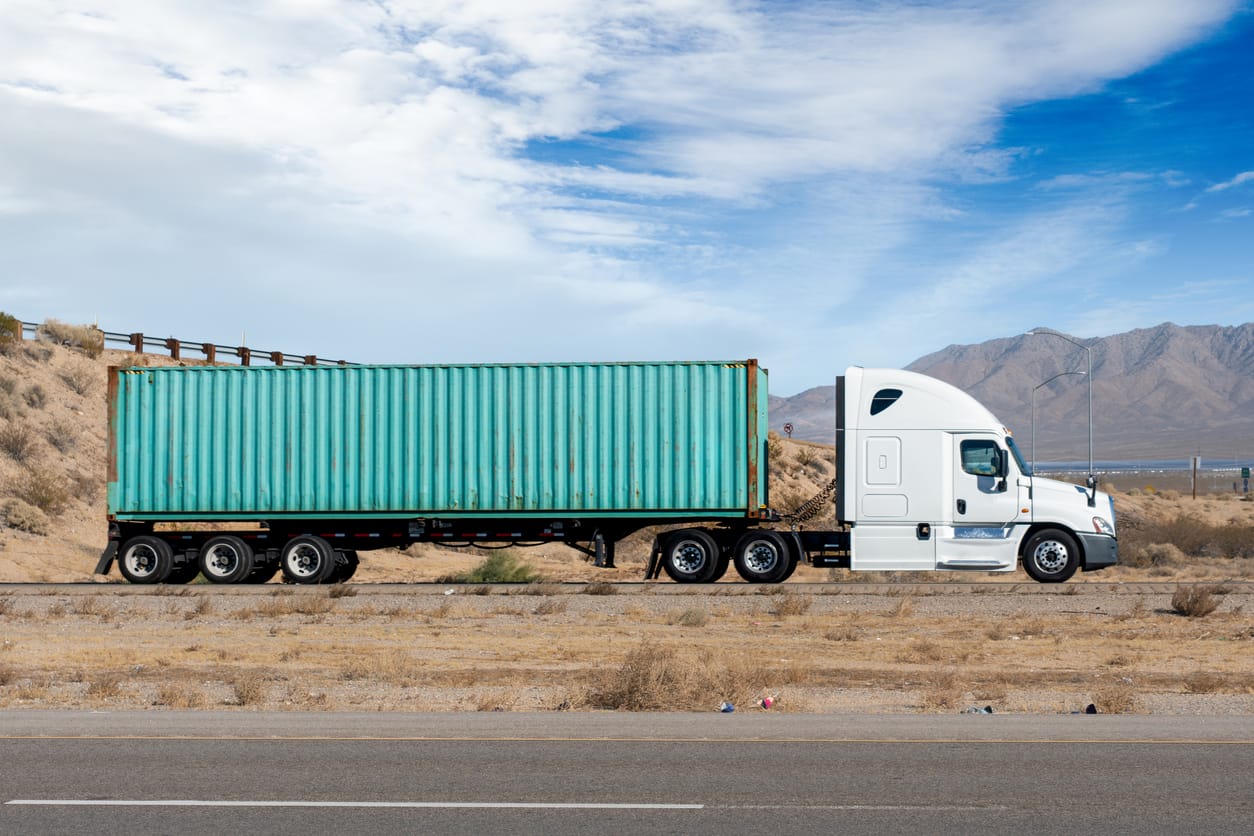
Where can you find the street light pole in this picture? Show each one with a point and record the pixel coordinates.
(1034, 388)
(1092, 481)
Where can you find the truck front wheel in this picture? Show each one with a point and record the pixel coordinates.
(1051, 556)
(690, 556)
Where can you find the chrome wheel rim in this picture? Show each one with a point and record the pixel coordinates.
(1050, 557)
(141, 560)
(761, 557)
(688, 557)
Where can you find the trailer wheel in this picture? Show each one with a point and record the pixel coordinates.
(763, 557)
(690, 556)
(184, 572)
(1051, 556)
(346, 562)
(226, 559)
(307, 559)
(146, 559)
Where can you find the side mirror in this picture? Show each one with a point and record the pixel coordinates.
(1001, 464)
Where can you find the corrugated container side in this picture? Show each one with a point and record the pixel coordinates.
(622, 438)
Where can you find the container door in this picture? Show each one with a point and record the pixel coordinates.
(986, 506)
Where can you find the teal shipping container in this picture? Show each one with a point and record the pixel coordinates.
(630, 440)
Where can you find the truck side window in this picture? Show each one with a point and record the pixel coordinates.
(981, 458)
(883, 399)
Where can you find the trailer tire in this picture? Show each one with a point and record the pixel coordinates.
(146, 559)
(226, 559)
(184, 572)
(307, 559)
(1051, 555)
(690, 556)
(764, 557)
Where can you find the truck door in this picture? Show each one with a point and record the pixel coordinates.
(986, 505)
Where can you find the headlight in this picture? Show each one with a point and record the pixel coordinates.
(1102, 527)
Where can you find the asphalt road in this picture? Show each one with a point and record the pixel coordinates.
(166, 772)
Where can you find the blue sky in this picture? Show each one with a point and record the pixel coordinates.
(812, 184)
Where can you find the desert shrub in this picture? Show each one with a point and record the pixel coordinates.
(105, 686)
(17, 441)
(87, 338)
(1115, 699)
(342, 591)
(62, 435)
(179, 695)
(25, 517)
(248, 689)
(499, 567)
(1194, 601)
(8, 384)
(289, 604)
(46, 490)
(653, 678)
(600, 588)
(1235, 540)
(805, 457)
(1145, 555)
(10, 332)
(35, 396)
(81, 379)
(1203, 682)
(789, 604)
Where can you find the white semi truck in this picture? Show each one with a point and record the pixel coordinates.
(239, 473)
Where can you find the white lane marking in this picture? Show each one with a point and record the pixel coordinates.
(488, 805)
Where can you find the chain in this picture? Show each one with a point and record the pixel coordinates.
(812, 507)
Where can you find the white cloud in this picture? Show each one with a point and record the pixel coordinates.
(292, 166)
(1243, 177)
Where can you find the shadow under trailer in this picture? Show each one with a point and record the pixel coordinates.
(239, 473)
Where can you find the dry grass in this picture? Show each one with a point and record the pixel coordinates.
(18, 442)
(786, 605)
(249, 689)
(43, 488)
(690, 617)
(1115, 699)
(659, 678)
(600, 588)
(85, 338)
(180, 695)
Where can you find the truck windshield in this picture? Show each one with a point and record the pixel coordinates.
(1024, 467)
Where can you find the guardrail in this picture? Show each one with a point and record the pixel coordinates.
(213, 352)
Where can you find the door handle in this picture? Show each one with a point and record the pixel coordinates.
(962, 506)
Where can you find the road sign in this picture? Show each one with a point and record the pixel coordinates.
(788, 430)
(1245, 473)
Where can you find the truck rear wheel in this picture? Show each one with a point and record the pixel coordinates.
(1051, 556)
(763, 557)
(146, 559)
(690, 556)
(307, 559)
(226, 559)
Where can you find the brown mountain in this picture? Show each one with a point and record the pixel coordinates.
(1166, 392)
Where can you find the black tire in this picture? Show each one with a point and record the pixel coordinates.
(226, 559)
(145, 559)
(690, 556)
(764, 557)
(263, 572)
(1051, 555)
(346, 562)
(307, 559)
(184, 572)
